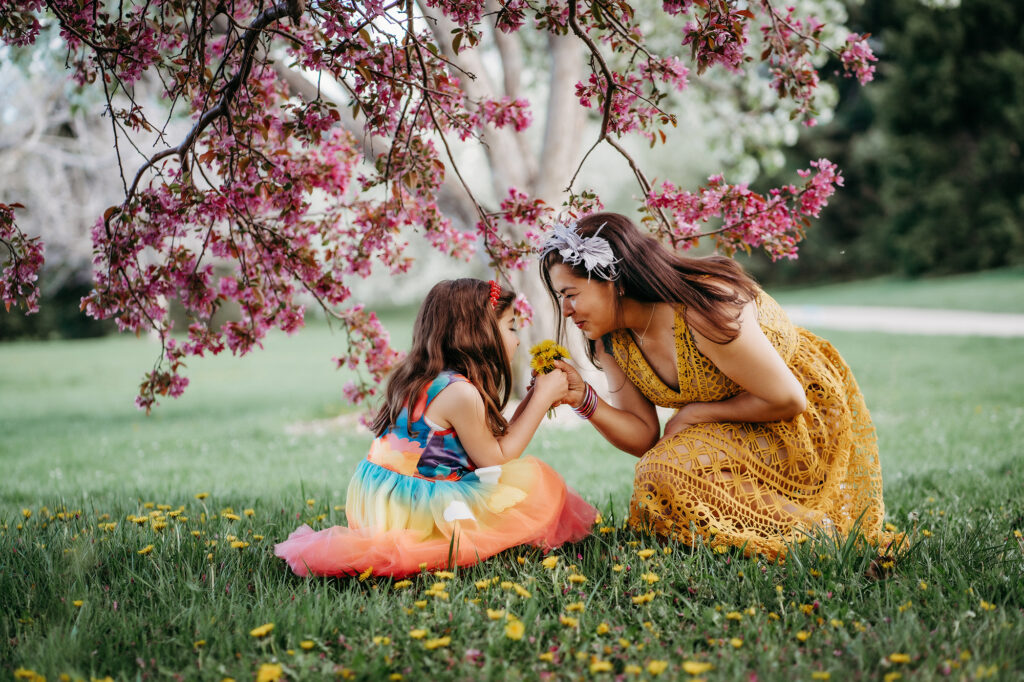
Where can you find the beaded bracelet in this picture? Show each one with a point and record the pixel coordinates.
(587, 408)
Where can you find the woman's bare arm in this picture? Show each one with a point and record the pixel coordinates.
(627, 420)
(770, 390)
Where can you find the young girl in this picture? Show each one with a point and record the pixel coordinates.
(443, 483)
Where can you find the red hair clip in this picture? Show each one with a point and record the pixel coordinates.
(495, 293)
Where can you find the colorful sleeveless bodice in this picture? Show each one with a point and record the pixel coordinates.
(416, 447)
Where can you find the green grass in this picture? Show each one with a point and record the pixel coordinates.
(950, 422)
(995, 291)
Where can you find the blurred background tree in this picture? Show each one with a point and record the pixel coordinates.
(931, 152)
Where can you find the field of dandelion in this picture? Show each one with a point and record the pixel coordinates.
(136, 547)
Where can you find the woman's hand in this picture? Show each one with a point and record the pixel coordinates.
(576, 386)
(551, 388)
(680, 421)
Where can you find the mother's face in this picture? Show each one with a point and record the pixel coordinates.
(590, 304)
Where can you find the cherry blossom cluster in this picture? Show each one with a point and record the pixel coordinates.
(23, 260)
(857, 57)
(507, 112)
(743, 219)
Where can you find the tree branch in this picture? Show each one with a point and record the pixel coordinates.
(248, 40)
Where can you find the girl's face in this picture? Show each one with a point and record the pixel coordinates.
(507, 325)
(589, 303)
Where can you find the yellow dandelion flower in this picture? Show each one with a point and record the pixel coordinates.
(643, 598)
(650, 578)
(803, 635)
(899, 658)
(447, 575)
(923, 585)
(568, 621)
(836, 623)
(987, 606)
(506, 584)
(575, 607)
(202, 496)
(515, 629)
(381, 640)
(437, 643)
(547, 656)
(599, 666)
(891, 677)
(26, 674)
(549, 562)
(418, 633)
(239, 544)
(577, 579)
(482, 584)
(145, 550)
(262, 631)
(632, 669)
(396, 677)
(696, 667)
(402, 584)
(269, 672)
(657, 667)
(522, 591)
(495, 614)
(310, 502)
(890, 527)
(645, 554)
(366, 574)
(231, 517)
(602, 628)
(249, 512)
(604, 530)
(734, 615)
(624, 643)
(617, 568)
(421, 604)
(820, 675)
(736, 642)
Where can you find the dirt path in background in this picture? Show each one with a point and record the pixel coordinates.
(906, 320)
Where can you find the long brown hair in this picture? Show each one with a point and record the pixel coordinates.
(456, 328)
(714, 287)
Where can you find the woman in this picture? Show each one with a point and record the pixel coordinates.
(770, 438)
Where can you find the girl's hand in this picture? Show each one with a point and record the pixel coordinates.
(576, 386)
(551, 388)
(681, 420)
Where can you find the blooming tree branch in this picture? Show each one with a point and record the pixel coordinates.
(268, 202)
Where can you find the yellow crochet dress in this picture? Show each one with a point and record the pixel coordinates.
(758, 485)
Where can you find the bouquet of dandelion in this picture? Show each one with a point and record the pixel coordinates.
(544, 355)
(543, 359)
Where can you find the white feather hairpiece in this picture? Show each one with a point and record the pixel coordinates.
(595, 253)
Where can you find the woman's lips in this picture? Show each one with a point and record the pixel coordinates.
(579, 325)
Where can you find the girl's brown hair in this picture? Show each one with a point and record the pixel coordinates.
(457, 329)
(714, 287)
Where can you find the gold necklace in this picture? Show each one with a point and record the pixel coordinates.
(640, 339)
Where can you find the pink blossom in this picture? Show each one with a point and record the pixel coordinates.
(857, 57)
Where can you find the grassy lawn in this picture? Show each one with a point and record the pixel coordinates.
(995, 291)
(262, 434)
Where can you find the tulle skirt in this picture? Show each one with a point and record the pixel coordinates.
(401, 524)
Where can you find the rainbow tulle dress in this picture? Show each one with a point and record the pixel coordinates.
(418, 502)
